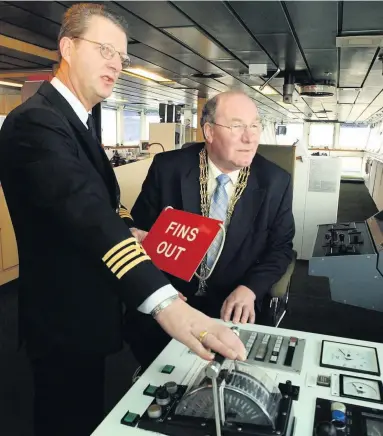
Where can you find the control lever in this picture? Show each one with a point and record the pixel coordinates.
(212, 371)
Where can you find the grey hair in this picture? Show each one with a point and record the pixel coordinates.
(76, 20)
(209, 110)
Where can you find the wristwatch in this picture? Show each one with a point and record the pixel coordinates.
(160, 307)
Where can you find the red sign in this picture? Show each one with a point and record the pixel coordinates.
(178, 241)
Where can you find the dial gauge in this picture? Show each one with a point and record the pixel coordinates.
(361, 388)
(374, 427)
(350, 357)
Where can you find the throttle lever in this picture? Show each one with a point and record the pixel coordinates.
(212, 371)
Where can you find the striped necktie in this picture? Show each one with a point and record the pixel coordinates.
(218, 210)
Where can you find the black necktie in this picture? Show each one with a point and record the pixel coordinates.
(92, 127)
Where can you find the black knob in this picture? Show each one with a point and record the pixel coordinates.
(162, 393)
(325, 429)
(341, 237)
(355, 239)
(162, 396)
(289, 387)
(327, 236)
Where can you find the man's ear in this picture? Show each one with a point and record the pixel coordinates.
(65, 48)
(208, 132)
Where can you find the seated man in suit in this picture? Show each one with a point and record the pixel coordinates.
(225, 179)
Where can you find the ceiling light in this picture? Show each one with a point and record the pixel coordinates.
(15, 85)
(359, 41)
(267, 90)
(140, 73)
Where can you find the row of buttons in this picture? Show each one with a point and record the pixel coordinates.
(250, 342)
(277, 347)
(262, 349)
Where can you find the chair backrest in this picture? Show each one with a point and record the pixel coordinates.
(281, 155)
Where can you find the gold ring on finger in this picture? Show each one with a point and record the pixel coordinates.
(202, 336)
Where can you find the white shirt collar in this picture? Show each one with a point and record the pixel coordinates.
(75, 103)
(214, 172)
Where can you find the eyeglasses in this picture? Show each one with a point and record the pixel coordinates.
(239, 129)
(108, 51)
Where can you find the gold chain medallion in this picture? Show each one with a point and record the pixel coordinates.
(205, 201)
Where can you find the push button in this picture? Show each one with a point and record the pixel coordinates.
(130, 419)
(168, 369)
(150, 391)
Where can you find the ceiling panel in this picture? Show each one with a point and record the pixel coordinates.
(344, 112)
(354, 65)
(163, 16)
(348, 96)
(362, 16)
(315, 23)
(368, 94)
(51, 10)
(323, 63)
(27, 20)
(37, 60)
(16, 63)
(25, 35)
(224, 29)
(179, 39)
(356, 111)
(196, 40)
(371, 110)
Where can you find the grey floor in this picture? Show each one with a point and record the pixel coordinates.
(310, 309)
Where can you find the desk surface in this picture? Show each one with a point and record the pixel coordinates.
(177, 354)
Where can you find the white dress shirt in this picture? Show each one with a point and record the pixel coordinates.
(164, 292)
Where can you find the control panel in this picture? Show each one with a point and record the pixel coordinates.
(274, 351)
(336, 390)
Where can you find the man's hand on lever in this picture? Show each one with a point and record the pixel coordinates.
(241, 301)
(199, 332)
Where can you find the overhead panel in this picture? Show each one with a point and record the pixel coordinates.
(368, 94)
(323, 64)
(371, 110)
(344, 112)
(158, 14)
(43, 29)
(356, 111)
(52, 11)
(225, 29)
(36, 61)
(266, 20)
(196, 40)
(362, 16)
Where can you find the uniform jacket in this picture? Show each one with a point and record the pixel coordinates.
(258, 246)
(79, 264)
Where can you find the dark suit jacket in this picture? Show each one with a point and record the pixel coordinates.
(63, 199)
(258, 245)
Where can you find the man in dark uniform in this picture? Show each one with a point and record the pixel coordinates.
(79, 262)
(225, 179)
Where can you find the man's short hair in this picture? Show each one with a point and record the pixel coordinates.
(208, 111)
(76, 20)
(210, 108)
